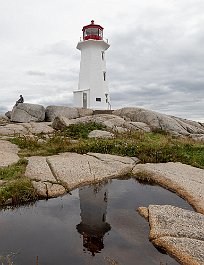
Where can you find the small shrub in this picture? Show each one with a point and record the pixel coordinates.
(81, 130)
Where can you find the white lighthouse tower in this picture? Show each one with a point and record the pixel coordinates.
(92, 88)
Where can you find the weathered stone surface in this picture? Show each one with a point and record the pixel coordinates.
(101, 134)
(167, 220)
(26, 112)
(185, 250)
(141, 126)
(12, 129)
(112, 122)
(185, 180)
(67, 112)
(3, 120)
(180, 232)
(197, 137)
(85, 112)
(144, 212)
(38, 169)
(8, 153)
(61, 122)
(158, 121)
(47, 189)
(71, 170)
(8, 114)
(26, 128)
(38, 127)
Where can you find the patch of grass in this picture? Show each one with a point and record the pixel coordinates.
(17, 187)
(14, 171)
(148, 147)
(19, 191)
(81, 130)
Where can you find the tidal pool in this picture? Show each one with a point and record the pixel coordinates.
(96, 224)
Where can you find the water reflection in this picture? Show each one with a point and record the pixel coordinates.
(93, 226)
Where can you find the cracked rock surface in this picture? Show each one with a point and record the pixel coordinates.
(26, 128)
(179, 232)
(185, 180)
(8, 153)
(53, 175)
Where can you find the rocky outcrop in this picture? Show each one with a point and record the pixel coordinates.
(25, 112)
(177, 231)
(157, 121)
(185, 180)
(67, 112)
(197, 137)
(111, 122)
(8, 153)
(69, 170)
(26, 129)
(99, 134)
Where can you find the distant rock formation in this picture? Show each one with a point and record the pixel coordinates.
(120, 120)
(157, 121)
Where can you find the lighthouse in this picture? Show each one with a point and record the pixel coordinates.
(93, 89)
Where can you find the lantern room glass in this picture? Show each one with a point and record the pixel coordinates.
(93, 32)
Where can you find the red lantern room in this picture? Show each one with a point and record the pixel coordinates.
(92, 31)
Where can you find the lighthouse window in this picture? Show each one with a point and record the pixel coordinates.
(98, 99)
(103, 55)
(91, 31)
(104, 76)
(100, 33)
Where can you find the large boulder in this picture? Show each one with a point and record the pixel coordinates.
(53, 111)
(26, 112)
(158, 121)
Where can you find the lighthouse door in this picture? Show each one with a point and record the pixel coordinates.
(85, 100)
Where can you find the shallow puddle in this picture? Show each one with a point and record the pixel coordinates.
(94, 225)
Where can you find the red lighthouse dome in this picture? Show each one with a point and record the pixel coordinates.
(92, 31)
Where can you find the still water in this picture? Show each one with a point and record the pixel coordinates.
(94, 225)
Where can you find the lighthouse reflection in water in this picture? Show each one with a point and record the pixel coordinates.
(93, 226)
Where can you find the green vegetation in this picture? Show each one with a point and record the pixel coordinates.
(16, 189)
(81, 130)
(151, 147)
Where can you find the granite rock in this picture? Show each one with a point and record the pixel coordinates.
(8, 153)
(71, 170)
(177, 231)
(185, 180)
(67, 112)
(25, 112)
(99, 134)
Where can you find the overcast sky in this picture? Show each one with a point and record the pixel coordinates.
(155, 61)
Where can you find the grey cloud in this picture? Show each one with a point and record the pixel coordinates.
(35, 73)
(61, 49)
